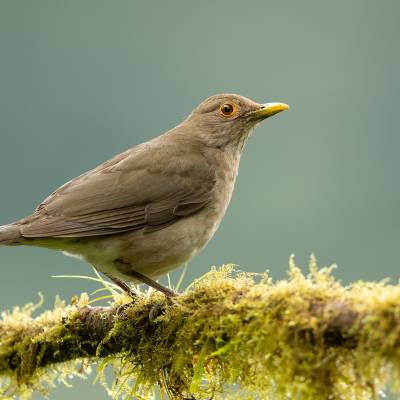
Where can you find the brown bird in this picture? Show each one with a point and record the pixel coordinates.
(153, 207)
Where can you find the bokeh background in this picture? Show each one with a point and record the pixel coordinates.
(82, 80)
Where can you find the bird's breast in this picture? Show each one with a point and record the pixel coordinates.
(225, 175)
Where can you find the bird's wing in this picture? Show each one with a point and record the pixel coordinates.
(150, 186)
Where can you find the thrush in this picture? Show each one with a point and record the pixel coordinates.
(153, 207)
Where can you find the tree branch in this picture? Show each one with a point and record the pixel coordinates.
(308, 337)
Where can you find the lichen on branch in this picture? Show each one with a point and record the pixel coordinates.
(230, 335)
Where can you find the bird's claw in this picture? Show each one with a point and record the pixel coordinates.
(158, 308)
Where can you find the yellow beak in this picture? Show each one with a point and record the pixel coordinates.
(270, 109)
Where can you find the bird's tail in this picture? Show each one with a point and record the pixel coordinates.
(10, 234)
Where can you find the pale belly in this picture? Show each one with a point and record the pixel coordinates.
(152, 254)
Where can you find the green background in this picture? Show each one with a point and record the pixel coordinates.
(83, 80)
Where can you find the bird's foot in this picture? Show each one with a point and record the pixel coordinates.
(158, 308)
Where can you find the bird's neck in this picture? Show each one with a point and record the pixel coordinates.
(228, 155)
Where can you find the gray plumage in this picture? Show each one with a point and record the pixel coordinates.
(154, 206)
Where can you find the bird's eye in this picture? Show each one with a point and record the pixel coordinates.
(227, 109)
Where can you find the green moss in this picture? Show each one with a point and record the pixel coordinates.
(231, 335)
(22, 348)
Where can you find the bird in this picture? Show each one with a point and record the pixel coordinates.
(153, 207)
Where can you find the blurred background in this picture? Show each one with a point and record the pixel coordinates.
(83, 80)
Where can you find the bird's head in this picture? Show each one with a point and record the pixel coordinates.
(226, 120)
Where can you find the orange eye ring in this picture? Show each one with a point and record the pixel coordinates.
(228, 109)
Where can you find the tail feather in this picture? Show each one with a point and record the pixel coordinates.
(10, 234)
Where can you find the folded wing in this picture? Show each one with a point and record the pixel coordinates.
(148, 187)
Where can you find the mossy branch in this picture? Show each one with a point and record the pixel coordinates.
(231, 334)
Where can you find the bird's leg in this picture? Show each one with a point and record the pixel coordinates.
(156, 310)
(122, 285)
(150, 282)
(126, 269)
